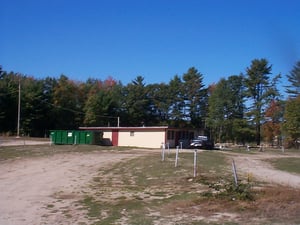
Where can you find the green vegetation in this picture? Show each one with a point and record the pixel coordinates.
(184, 102)
(291, 165)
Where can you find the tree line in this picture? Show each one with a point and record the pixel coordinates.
(241, 108)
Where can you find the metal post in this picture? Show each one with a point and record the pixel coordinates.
(195, 163)
(176, 158)
(234, 173)
(163, 152)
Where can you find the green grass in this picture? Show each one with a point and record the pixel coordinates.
(289, 164)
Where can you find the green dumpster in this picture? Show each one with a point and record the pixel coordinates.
(75, 137)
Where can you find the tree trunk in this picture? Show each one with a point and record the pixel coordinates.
(257, 134)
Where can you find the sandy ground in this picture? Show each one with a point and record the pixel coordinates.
(256, 167)
(21, 141)
(29, 186)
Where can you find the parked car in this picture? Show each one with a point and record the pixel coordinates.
(202, 142)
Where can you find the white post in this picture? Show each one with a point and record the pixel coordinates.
(195, 163)
(75, 140)
(176, 158)
(163, 151)
(181, 145)
(234, 173)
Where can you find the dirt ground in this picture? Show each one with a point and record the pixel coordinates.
(30, 186)
(255, 166)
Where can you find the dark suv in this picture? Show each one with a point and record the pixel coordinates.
(202, 142)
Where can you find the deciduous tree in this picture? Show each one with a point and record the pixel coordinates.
(292, 120)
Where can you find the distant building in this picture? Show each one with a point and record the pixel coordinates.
(148, 137)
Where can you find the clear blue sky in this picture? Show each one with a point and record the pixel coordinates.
(153, 38)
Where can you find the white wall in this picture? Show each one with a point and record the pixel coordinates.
(147, 139)
(107, 134)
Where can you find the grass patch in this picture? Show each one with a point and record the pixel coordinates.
(13, 152)
(291, 165)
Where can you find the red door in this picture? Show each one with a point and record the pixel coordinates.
(115, 137)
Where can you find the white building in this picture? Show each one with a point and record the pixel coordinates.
(148, 137)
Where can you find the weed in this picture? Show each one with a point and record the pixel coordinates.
(230, 191)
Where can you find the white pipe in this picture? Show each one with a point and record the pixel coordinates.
(234, 173)
(195, 163)
(163, 152)
(176, 159)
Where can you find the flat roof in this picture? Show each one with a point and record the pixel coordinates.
(153, 128)
(125, 128)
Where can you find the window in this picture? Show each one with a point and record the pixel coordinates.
(170, 135)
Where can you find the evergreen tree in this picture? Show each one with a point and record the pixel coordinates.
(260, 89)
(176, 102)
(195, 97)
(294, 78)
(226, 106)
(136, 103)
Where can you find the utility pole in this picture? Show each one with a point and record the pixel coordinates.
(19, 108)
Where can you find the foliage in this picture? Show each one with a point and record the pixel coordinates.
(194, 97)
(260, 89)
(177, 102)
(294, 78)
(102, 104)
(272, 125)
(63, 103)
(291, 124)
(231, 191)
(223, 113)
(137, 103)
(8, 101)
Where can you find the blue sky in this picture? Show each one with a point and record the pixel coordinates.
(156, 39)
